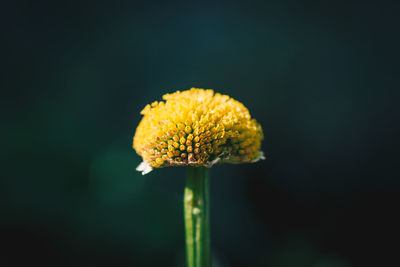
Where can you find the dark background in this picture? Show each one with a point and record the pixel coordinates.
(321, 77)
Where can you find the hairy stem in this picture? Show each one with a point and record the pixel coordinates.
(197, 213)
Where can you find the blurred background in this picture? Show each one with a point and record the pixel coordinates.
(321, 77)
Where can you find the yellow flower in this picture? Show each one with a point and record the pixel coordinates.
(196, 127)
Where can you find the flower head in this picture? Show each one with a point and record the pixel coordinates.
(196, 127)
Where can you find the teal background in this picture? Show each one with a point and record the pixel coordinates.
(321, 77)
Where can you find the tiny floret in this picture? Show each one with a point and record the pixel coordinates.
(196, 127)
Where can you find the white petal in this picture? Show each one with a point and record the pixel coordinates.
(260, 156)
(144, 167)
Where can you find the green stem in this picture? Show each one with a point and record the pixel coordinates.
(197, 217)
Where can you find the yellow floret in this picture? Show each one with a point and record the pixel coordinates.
(197, 127)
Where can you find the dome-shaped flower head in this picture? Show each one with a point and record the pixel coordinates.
(196, 127)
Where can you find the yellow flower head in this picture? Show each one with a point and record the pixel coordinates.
(199, 128)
